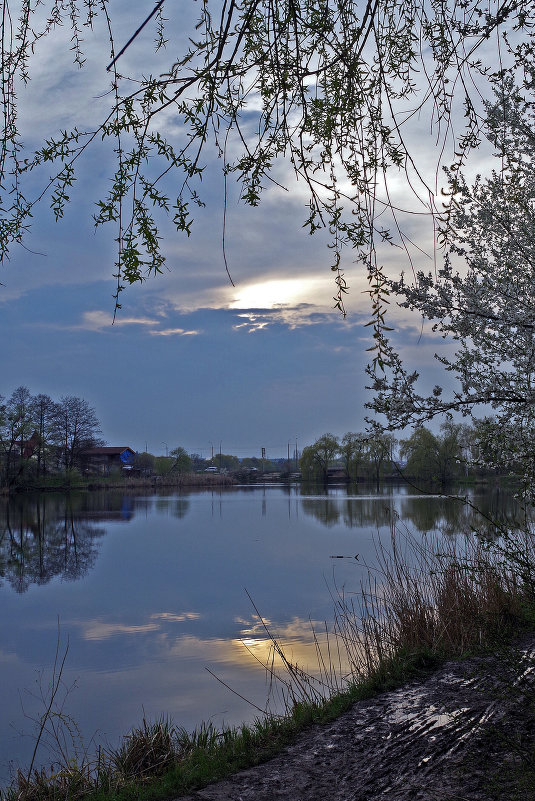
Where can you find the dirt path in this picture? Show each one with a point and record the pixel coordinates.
(443, 739)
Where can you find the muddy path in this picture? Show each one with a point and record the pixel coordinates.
(451, 737)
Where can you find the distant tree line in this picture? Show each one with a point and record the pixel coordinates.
(458, 451)
(39, 435)
(178, 461)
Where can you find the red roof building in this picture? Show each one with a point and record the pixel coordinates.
(103, 459)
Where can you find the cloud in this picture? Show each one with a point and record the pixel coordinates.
(291, 317)
(278, 292)
(99, 320)
(294, 317)
(293, 302)
(254, 323)
(172, 617)
(169, 332)
(103, 322)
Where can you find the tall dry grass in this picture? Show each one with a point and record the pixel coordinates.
(423, 600)
(443, 596)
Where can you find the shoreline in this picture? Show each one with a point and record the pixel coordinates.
(453, 733)
(91, 484)
(205, 481)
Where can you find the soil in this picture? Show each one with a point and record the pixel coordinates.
(464, 733)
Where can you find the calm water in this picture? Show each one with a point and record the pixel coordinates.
(151, 590)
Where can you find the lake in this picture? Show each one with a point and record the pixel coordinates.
(148, 591)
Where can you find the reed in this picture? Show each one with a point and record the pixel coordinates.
(444, 596)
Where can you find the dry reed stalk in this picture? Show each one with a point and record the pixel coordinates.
(445, 596)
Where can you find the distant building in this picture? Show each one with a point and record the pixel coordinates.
(104, 459)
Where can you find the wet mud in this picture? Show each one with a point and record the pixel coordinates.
(451, 737)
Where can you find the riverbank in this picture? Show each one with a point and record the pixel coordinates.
(463, 733)
(457, 731)
(75, 480)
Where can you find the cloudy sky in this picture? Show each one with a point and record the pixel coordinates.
(191, 360)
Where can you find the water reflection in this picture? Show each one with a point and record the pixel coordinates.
(48, 536)
(483, 510)
(484, 513)
(352, 512)
(53, 535)
(176, 507)
(41, 539)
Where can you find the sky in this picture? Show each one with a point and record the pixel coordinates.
(190, 360)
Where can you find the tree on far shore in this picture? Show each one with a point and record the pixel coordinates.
(432, 457)
(77, 428)
(181, 461)
(38, 434)
(352, 450)
(316, 459)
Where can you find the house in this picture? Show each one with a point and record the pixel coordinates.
(105, 459)
(27, 447)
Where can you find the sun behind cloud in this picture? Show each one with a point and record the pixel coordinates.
(278, 292)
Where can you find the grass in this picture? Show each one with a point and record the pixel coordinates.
(511, 773)
(422, 602)
(159, 760)
(445, 596)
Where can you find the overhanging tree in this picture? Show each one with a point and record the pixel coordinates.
(432, 457)
(379, 451)
(352, 450)
(483, 300)
(332, 86)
